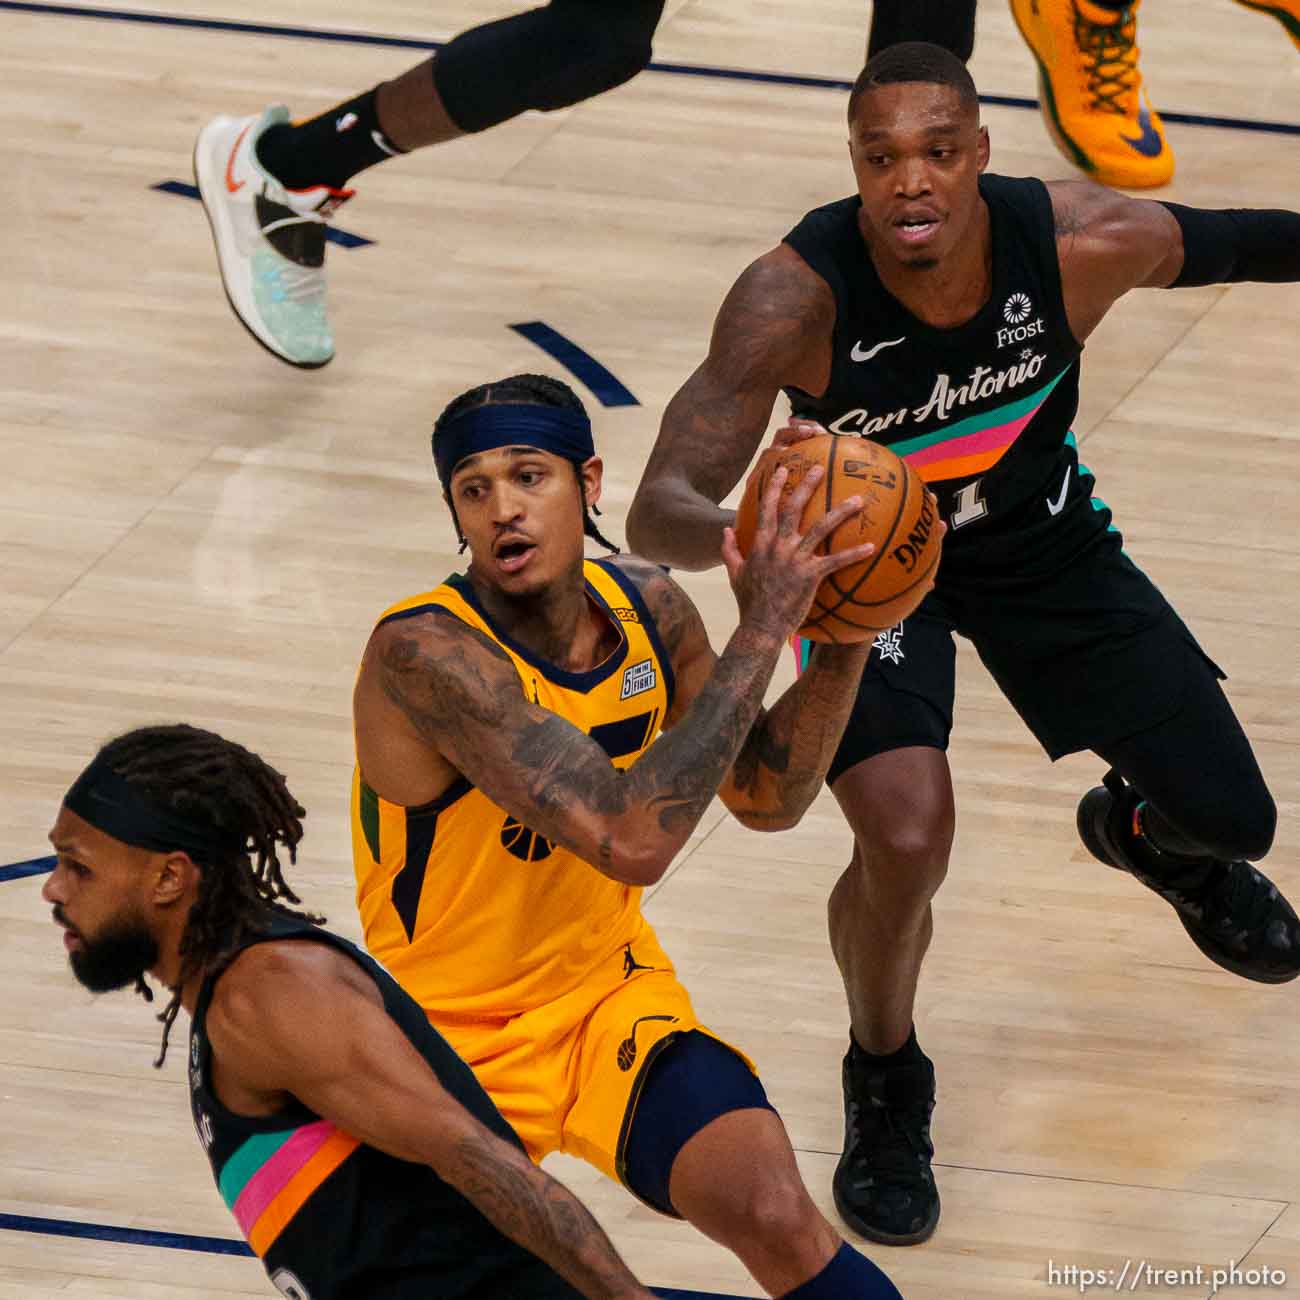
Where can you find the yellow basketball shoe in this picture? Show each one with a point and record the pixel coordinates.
(1287, 12)
(1092, 97)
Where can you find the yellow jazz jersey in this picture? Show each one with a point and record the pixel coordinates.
(476, 915)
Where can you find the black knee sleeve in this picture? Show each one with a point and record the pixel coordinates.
(545, 59)
(1235, 828)
(1204, 790)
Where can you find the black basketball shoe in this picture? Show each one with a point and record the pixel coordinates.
(883, 1184)
(1233, 912)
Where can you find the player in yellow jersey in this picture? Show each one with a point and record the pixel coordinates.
(509, 805)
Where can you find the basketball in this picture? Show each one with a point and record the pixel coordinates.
(898, 515)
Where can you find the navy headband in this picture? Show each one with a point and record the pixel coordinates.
(561, 430)
(113, 805)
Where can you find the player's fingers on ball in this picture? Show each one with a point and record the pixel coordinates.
(831, 520)
(794, 431)
(838, 560)
(800, 494)
(768, 505)
(731, 555)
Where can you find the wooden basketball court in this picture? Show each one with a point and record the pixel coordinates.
(194, 531)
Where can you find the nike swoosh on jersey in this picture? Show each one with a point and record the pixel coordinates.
(232, 184)
(1055, 507)
(857, 353)
(1148, 144)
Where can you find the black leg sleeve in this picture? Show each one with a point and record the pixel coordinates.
(950, 23)
(1205, 792)
(544, 58)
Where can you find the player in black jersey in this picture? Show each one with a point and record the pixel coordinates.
(356, 1150)
(943, 311)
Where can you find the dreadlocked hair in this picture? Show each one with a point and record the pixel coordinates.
(218, 785)
(537, 390)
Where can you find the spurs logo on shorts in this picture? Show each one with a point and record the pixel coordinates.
(890, 644)
(627, 1048)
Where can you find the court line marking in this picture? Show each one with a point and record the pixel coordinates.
(205, 1245)
(608, 389)
(332, 233)
(675, 69)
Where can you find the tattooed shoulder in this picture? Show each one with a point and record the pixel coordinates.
(1078, 206)
(676, 618)
(437, 669)
(776, 311)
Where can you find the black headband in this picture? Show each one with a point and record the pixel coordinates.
(561, 430)
(113, 805)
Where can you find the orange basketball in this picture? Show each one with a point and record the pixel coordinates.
(898, 516)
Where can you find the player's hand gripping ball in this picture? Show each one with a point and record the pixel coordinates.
(899, 515)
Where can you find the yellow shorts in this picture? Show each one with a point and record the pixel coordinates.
(567, 1075)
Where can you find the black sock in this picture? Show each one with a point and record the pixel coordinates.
(950, 23)
(329, 149)
(908, 1054)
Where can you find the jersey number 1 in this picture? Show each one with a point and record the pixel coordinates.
(970, 505)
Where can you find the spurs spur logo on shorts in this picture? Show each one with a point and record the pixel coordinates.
(639, 677)
(890, 644)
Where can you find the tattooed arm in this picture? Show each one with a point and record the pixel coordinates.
(460, 692)
(783, 761)
(774, 328)
(1107, 244)
(300, 1019)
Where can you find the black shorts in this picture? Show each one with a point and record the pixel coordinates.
(1087, 653)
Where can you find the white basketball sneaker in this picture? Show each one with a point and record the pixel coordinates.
(270, 240)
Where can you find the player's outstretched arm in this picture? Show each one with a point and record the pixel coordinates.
(462, 694)
(301, 1018)
(773, 328)
(783, 761)
(1109, 243)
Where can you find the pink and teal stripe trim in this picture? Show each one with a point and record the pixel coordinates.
(272, 1175)
(973, 445)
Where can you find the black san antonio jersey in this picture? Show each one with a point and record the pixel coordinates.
(333, 1219)
(983, 410)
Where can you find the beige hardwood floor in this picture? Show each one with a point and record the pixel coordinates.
(190, 530)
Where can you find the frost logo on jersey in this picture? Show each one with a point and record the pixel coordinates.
(890, 644)
(640, 677)
(1016, 312)
(1017, 308)
(196, 1075)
